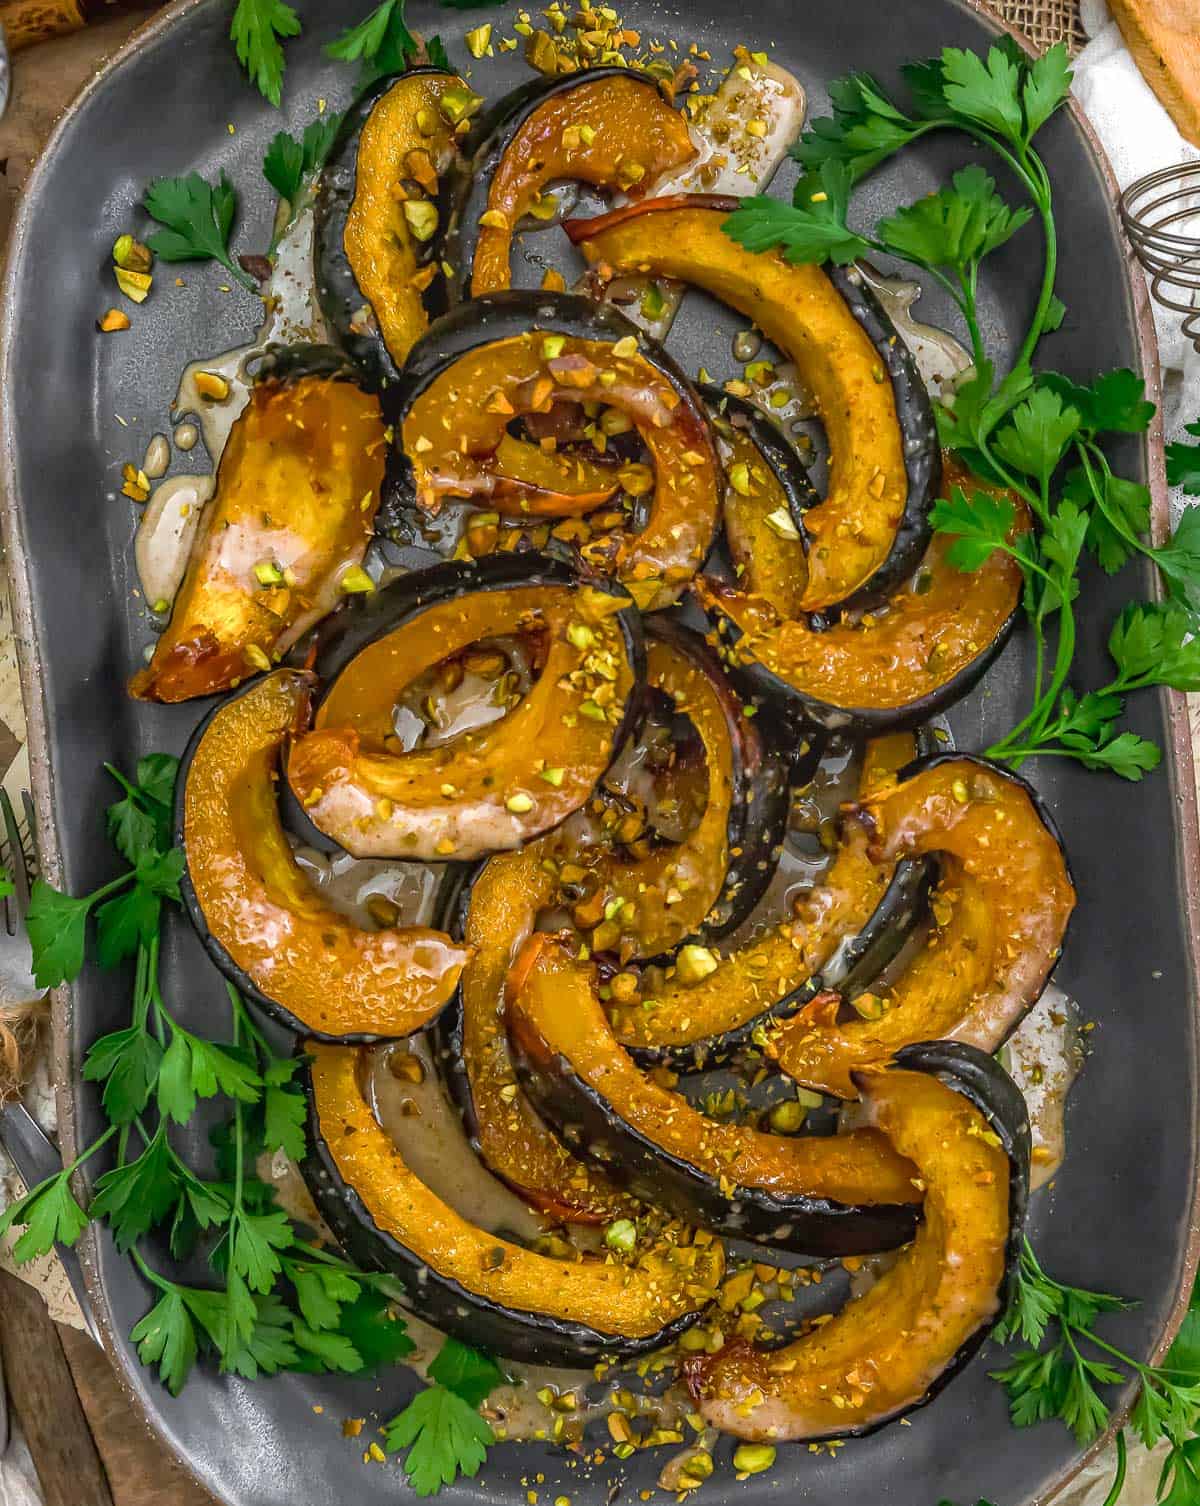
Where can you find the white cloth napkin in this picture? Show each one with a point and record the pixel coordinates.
(1139, 136)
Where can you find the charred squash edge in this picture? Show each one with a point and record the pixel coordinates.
(513, 1332)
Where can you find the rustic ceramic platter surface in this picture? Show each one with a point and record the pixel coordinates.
(1120, 1213)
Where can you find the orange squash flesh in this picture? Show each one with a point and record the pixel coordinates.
(479, 791)
(513, 1141)
(925, 635)
(383, 253)
(766, 562)
(664, 897)
(553, 1009)
(297, 488)
(881, 1354)
(1002, 909)
(487, 387)
(258, 907)
(549, 483)
(627, 1300)
(853, 529)
(753, 977)
(612, 132)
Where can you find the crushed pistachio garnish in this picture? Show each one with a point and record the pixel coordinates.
(421, 218)
(111, 321)
(356, 582)
(780, 523)
(135, 285)
(212, 385)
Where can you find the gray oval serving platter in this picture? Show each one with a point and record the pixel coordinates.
(1121, 1213)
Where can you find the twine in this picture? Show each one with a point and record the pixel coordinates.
(1045, 22)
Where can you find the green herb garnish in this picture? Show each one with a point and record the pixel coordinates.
(255, 32)
(197, 217)
(279, 1301)
(1035, 432)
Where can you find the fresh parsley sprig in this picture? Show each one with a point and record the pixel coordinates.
(197, 217)
(1036, 433)
(255, 32)
(441, 1427)
(292, 166)
(382, 43)
(279, 1301)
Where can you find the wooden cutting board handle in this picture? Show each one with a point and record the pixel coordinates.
(1164, 38)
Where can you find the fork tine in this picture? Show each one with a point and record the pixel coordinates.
(17, 861)
(35, 857)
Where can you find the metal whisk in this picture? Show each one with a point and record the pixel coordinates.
(1154, 213)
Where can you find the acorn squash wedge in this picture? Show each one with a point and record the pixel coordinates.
(297, 491)
(1001, 911)
(261, 921)
(921, 648)
(488, 788)
(872, 527)
(827, 1195)
(375, 218)
(486, 1290)
(608, 126)
(845, 929)
(505, 356)
(648, 901)
(960, 1120)
(494, 912)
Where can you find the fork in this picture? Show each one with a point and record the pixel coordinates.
(31, 1152)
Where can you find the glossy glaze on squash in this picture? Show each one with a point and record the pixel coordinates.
(885, 1352)
(297, 489)
(872, 526)
(502, 907)
(507, 355)
(484, 790)
(261, 920)
(848, 924)
(924, 646)
(843, 1194)
(609, 127)
(487, 1290)
(370, 278)
(1001, 913)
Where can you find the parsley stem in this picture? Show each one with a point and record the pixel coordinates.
(1118, 1484)
(85, 1155)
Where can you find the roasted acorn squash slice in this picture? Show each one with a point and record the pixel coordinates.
(495, 912)
(827, 1195)
(495, 787)
(506, 355)
(708, 882)
(609, 127)
(872, 527)
(297, 492)
(261, 921)
(487, 1291)
(371, 281)
(892, 1349)
(1001, 912)
(846, 928)
(924, 646)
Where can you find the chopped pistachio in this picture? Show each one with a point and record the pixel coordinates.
(494, 219)
(112, 321)
(625, 347)
(421, 217)
(131, 255)
(268, 573)
(739, 478)
(161, 605)
(621, 1235)
(753, 1458)
(780, 522)
(356, 582)
(135, 285)
(477, 39)
(552, 346)
(212, 385)
(869, 1006)
(256, 656)
(587, 134)
(580, 636)
(552, 776)
(427, 122)
(459, 104)
(787, 1117)
(694, 963)
(519, 804)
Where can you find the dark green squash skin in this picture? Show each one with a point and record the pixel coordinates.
(531, 1336)
(465, 193)
(590, 1128)
(216, 952)
(918, 432)
(291, 363)
(337, 290)
(981, 1080)
(859, 959)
